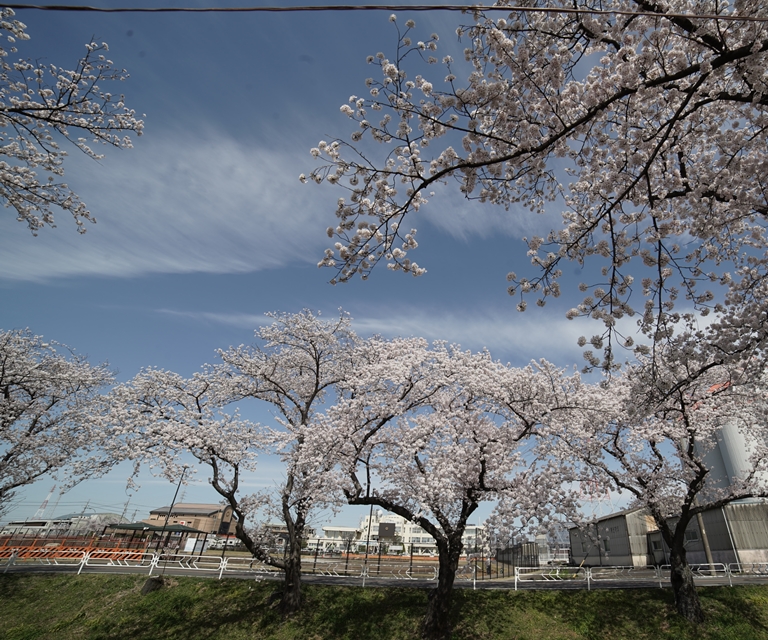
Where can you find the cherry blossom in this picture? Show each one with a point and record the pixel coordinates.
(299, 361)
(428, 434)
(646, 126)
(42, 106)
(51, 413)
(159, 416)
(651, 431)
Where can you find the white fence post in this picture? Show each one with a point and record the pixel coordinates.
(11, 560)
(86, 556)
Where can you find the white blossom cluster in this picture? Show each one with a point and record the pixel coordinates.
(51, 413)
(369, 227)
(430, 432)
(299, 359)
(43, 106)
(441, 430)
(659, 120)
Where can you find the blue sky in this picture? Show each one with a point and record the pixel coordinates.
(204, 226)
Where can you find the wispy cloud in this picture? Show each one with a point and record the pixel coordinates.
(240, 320)
(207, 204)
(509, 336)
(466, 219)
(177, 204)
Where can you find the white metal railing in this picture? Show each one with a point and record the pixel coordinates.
(704, 570)
(97, 558)
(550, 574)
(356, 567)
(648, 573)
(748, 569)
(247, 565)
(340, 567)
(623, 573)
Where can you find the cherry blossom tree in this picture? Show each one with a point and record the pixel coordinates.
(42, 106)
(51, 410)
(299, 362)
(645, 120)
(651, 431)
(429, 434)
(159, 416)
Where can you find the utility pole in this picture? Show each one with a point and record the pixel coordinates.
(125, 508)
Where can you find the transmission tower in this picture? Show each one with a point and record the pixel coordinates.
(41, 511)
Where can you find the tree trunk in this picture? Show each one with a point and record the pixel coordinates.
(437, 622)
(686, 597)
(290, 601)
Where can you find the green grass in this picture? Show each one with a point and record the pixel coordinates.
(99, 607)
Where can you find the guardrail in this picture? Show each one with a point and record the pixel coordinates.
(356, 568)
(714, 570)
(41, 555)
(551, 574)
(247, 565)
(104, 558)
(660, 574)
(748, 569)
(647, 573)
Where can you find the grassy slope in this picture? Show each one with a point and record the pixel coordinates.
(102, 607)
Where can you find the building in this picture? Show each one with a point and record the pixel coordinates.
(730, 458)
(211, 518)
(402, 536)
(71, 524)
(84, 523)
(275, 535)
(618, 539)
(336, 539)
(735, 533)
(37, 528)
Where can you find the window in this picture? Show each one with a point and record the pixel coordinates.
(691, 535)
(607, 544)
(585, 547)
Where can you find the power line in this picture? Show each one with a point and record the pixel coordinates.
(390, 7)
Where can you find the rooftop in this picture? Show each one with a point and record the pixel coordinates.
(191, 508)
